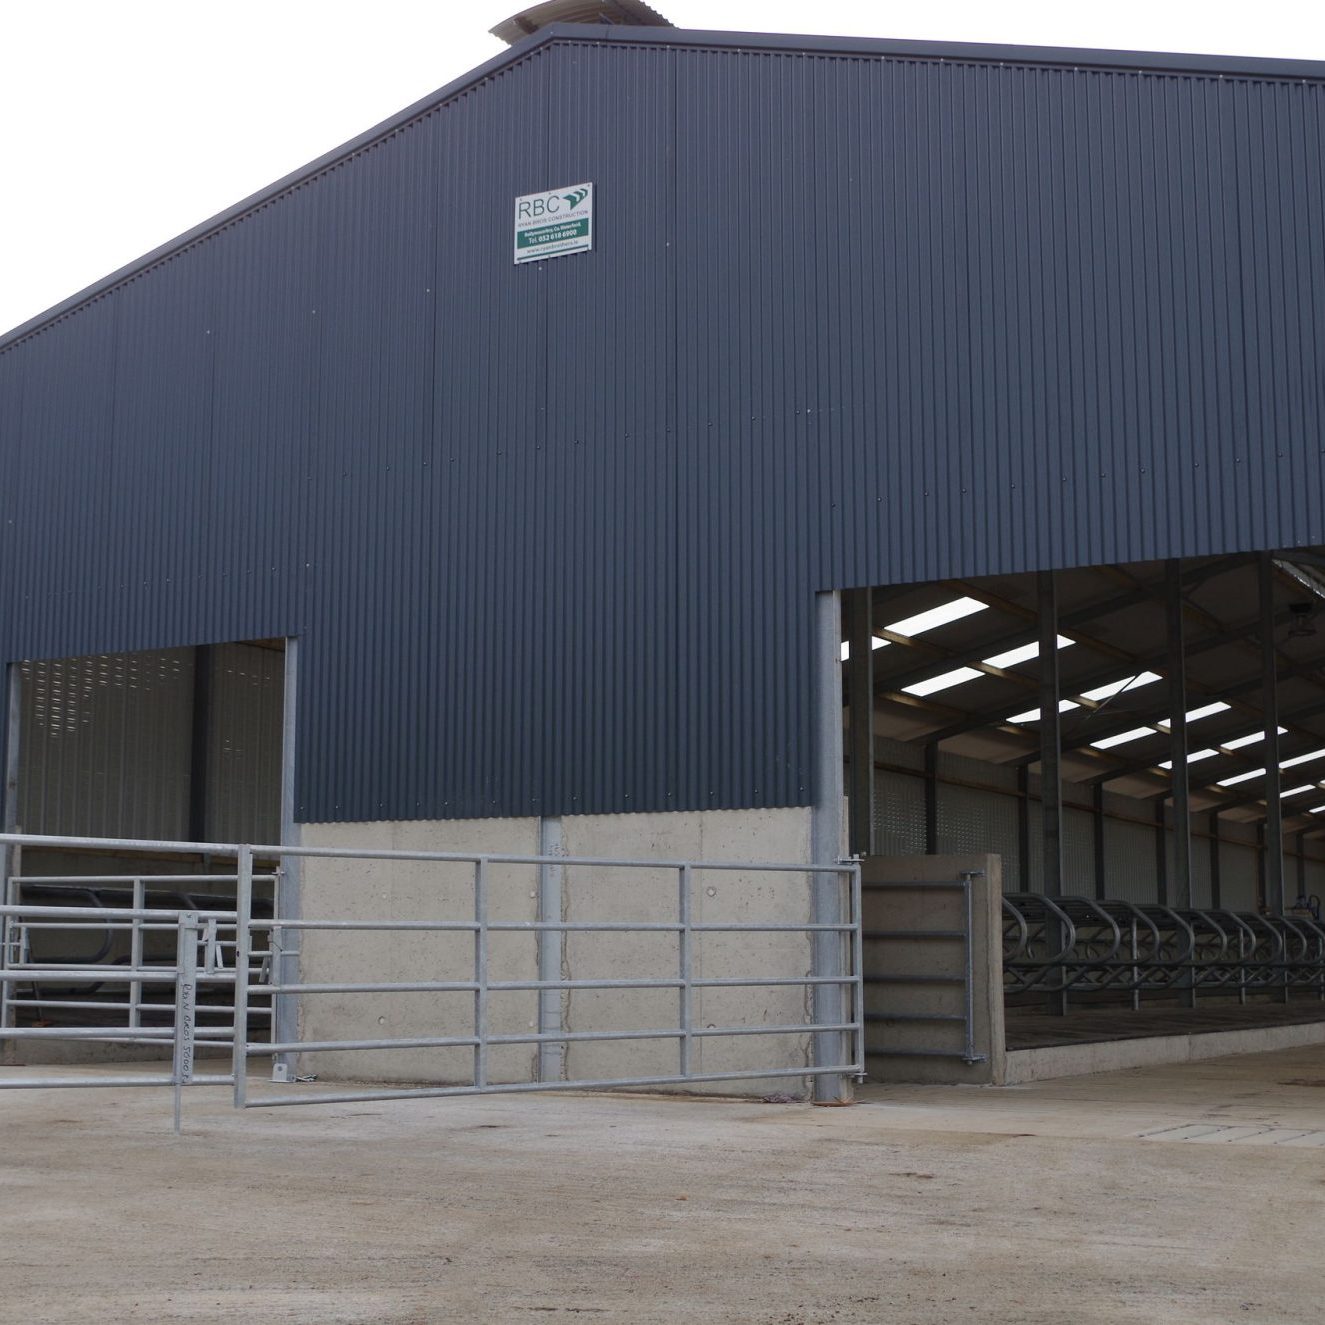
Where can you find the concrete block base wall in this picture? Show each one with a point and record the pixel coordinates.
(336, 889)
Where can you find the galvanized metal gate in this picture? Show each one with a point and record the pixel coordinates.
(264, 973)
(198, 940)
(920, 966)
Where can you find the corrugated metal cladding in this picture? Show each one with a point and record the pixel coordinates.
(550, 533)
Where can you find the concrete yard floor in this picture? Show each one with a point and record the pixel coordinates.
(1190, 1194)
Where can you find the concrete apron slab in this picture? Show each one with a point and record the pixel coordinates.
(1074, 1060)
(665, 1209)
(1265, 1099)
(1269, 1098)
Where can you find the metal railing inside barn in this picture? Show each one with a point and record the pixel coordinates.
(1082, 947)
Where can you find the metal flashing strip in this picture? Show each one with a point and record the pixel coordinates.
(986, 53)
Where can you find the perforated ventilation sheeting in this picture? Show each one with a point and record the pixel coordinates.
(244, 751)
(1078, 853)
(1239, 871)
(899, 814)
(903, 753)
(1201, 894)
(958, 767)
(106, 745)
(1315, 878)
(971, 820)
(1130, 867)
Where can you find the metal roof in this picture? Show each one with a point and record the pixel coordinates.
(972, 682)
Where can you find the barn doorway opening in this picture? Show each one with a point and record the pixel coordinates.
(169, 745)
(1141, 749)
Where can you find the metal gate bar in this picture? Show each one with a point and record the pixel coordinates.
(192, 929)
(481, 985)
(968, 1054)
(100, 921)
(843, 972)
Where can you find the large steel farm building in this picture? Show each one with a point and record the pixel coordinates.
(695, 449)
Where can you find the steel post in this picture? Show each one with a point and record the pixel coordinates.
(200, 741)
(9, 855)
(1161, 855)
(1024, 827)
(1180, 777)
(243, 944)
(1097, 826)
(828, 951)
(551, 952)
(931, 798)
(287, 901)
(480, 973)
(968, 960)
(858, 957)
(1051, 750)
(1051, 738)
(136, 954)
(685, 968)
(8, 898)
(858, 605)
(1274, 815)
(186, 1006)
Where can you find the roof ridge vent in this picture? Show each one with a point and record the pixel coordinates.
(616, 13)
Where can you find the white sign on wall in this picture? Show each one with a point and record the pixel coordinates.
(552, 224)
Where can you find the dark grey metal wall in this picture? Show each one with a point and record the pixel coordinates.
(858, 313)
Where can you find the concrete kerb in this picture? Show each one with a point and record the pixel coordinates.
(1074, 1060)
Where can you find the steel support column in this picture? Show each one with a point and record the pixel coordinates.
(1161, 855)
(830, 896)
(1262, 904)
(1097, 805)
(199, 741)
(1301, 868)
(1274, 814)
(9, 855)
(1216, 890)
(9, 734)
(551, 952)
(858, 608)
(1051, 738)
(1051, 751)
(1024, 828)
(285, 1011)
(932, 799)
(1182, 802)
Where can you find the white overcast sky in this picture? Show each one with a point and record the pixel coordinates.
(125, 122)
